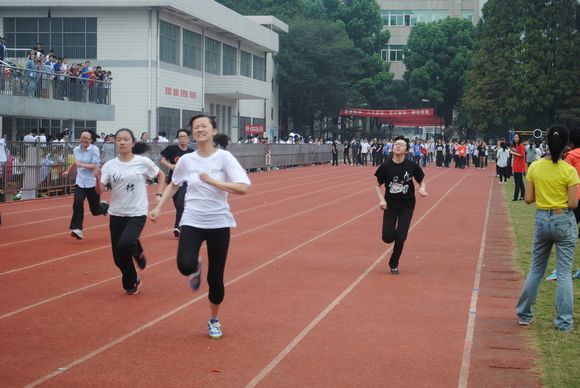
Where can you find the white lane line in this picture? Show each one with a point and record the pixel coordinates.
(147, 325)
(71, 292)
(468, 344)
(264, 372)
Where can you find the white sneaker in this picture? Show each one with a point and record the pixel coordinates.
(214, 328)
(77, 233)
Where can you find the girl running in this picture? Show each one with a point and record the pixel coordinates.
(170, 155)
(398, 201)
(552, 184)
(87, 159)
(210, 173)
(127, 174)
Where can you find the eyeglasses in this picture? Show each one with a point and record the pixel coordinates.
(400, 144)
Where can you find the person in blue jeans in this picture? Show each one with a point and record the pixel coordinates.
(552, 184)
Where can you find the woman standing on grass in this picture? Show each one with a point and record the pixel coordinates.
(210, 173)
(552, 184)
(519, 167)
(87, 159)
(127, 174)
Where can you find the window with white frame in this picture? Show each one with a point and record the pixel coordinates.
(259, 68)
(213, 56)
(411, 17)
(168, 42)
(191, 49)
(246, 64)
(230, 60)
(169, 121)
(392, 53)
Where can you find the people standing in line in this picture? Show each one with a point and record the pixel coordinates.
(169, 158)
(355, 150)
(398, 200)
(553, 185)
(519, 168)
(211, 173)
(127, 174)
(346, 152)
(335, 152)
(87, 159)
(502, 155)
(364, 152)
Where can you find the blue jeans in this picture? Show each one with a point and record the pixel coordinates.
(560, 229)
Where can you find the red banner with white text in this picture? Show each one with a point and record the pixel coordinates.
(422, 112)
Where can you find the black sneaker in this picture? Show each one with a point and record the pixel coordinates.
(135, 289)
(141, 261)
(394, 271)
(105, 207)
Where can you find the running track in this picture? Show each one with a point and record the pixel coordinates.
(308, 301)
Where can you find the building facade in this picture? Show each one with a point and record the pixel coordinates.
(400, 16)
(170, 60)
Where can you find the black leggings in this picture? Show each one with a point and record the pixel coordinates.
(125, 232)
(218, 241)
(94, 199)
(179, 202)
(396, 223)
(519, 188)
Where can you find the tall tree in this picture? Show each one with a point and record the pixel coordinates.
(437, 57)
(318, 63)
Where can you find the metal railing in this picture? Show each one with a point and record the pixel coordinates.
(22, 81)
(35, 170)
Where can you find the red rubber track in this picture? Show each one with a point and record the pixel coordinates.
(308, 298)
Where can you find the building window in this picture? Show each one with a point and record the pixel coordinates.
(467, 14)
(412, 17)
(259, 68)
(230, 60)
(186, 115)
(168, 42)
(246, 64)
(169, 122)
(212, 56)
(191, 50)
(69, 37)
(392, 53)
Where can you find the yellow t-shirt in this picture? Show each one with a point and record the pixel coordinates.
(551, 182)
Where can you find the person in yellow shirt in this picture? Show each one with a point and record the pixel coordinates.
(552, 184)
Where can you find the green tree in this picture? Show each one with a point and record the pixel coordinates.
(317, 66)
(437, 57)
(285, 10)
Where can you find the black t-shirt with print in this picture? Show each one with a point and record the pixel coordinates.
(398, 181)
(172, 153)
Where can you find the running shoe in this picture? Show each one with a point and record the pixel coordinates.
(552, 276)
(214, 328)
(195, 278)
(105, 207)
(395, 271)
(176, 232)
(525, 321)
(135, 289)
(141, 261)
(577, 274)
(77, 233)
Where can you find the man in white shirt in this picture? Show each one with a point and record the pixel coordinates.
(31, 137)
(162, 137)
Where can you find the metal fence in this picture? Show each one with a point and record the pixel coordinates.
(33, 170)
(19, 81)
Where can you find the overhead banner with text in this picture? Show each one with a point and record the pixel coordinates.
(423, 112)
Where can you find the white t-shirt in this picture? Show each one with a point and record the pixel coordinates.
(128, 181)
(206, 206)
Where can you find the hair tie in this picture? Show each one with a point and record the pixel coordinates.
(556, 133)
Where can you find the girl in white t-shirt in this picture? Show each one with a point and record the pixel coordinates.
(210, 173)
(127, 174)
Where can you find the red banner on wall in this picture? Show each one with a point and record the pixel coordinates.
(254, 129)
(423, 112)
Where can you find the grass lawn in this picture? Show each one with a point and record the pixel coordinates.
(559, 352)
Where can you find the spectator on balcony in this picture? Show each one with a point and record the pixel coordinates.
(2, 48)
(38, 49)
(31, 137)
(42, 136)
(162, 138)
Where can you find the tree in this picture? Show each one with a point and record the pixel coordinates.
(437, 57)
(317, 66)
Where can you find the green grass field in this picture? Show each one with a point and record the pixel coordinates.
(559, 352)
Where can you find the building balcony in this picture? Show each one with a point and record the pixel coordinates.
(236, 87)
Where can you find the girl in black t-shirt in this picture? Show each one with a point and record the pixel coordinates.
(170, 156)
(398, 201)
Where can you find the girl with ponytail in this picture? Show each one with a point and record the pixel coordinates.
(127, 174)
(552, 185)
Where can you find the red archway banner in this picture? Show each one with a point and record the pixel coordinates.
(423, 112)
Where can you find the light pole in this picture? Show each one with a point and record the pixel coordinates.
(434, 112)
